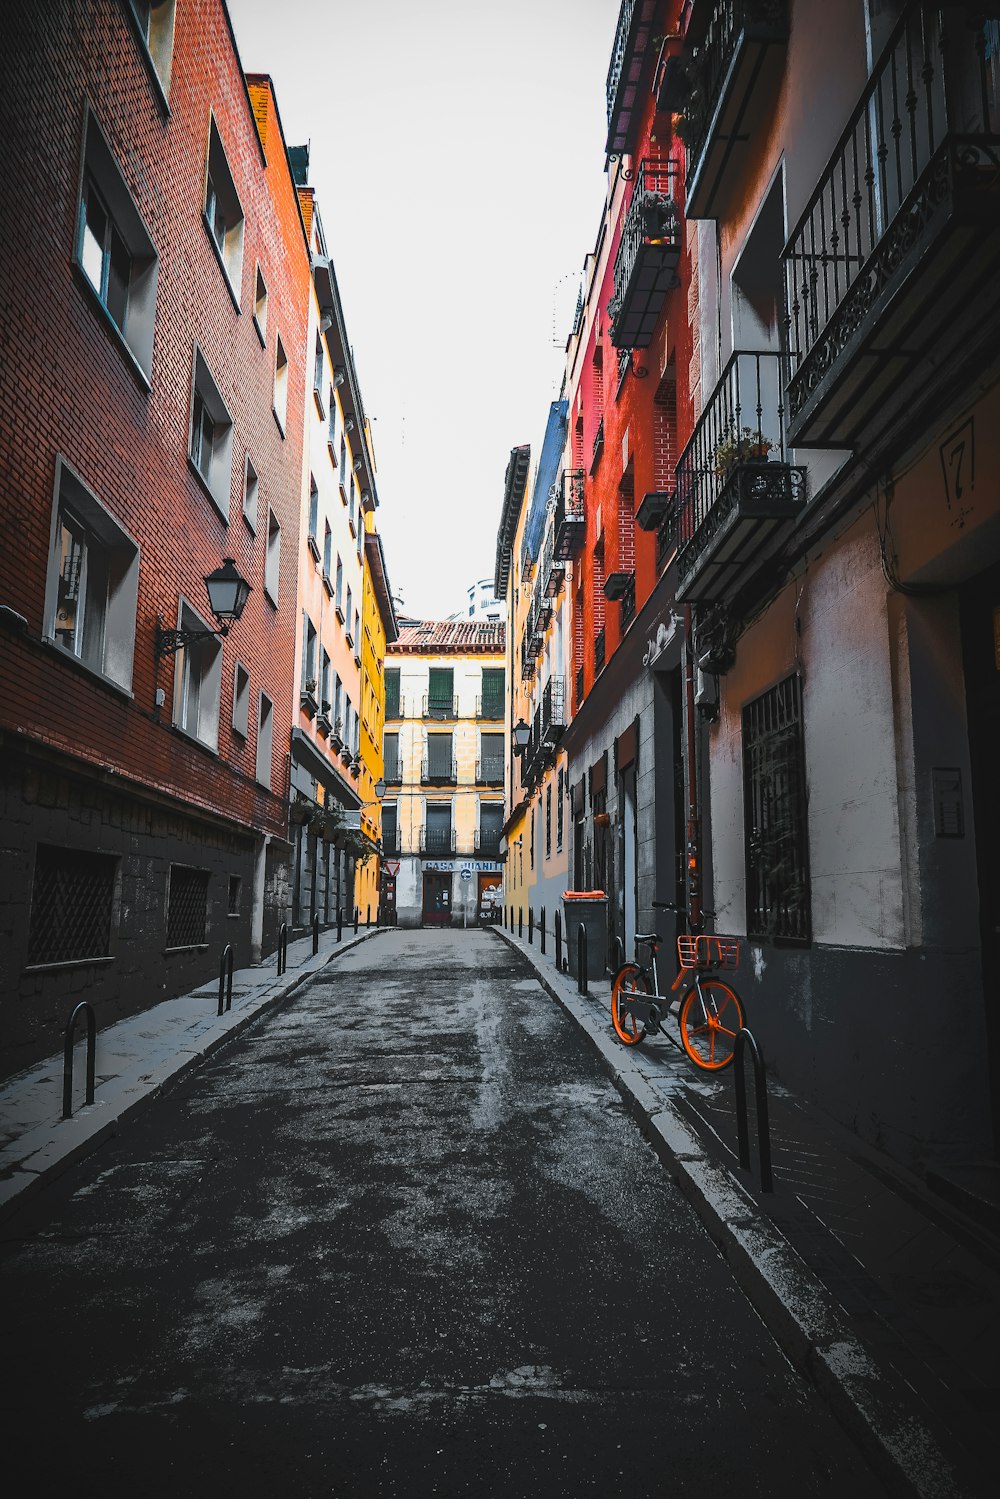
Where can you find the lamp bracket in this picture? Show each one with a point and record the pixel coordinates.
(169, 642)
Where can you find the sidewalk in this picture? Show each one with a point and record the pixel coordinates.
(885, 1296)
(134, 1059)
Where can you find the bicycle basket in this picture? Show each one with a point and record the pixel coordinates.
(708, 952)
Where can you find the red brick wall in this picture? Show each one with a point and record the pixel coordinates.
(67, 387)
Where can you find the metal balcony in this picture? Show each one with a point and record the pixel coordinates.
(891, 271)
(437, 841)
(737, 494)
(631, 63)
(391, 843)
(490, 706)
(438, 775)
(489, 771)
(553, 571)
(600, 649)
(598, 448)
(570, 527)
(648, 253)
(553, 710)
(439, 707)
(488, 842)
(628, 601)
(731, 84)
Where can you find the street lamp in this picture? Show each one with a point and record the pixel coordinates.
(379, 788)
(522, 733)
(227, 596)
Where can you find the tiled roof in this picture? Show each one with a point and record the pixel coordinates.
(428, 636)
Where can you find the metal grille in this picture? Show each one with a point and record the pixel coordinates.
(187, 906)
(774, 799)
(72, 899)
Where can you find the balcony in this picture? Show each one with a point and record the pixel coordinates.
(731, 83)
(391, 843)
(393, 773)
(543, 612)
(438, 774)
(437, 841)
(666, 533)
(488, 843)
(570, 527)
(646, 262)
(553, 571)
(439, 707)
(737, 494)
(490, 706)
(489, 771)
(598, 448)
(631, 61)
(553, 710)
(600, 649)
(628, 601)
(890, 273)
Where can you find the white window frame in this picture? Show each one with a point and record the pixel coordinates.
(214, 467)
(107, 648)
(155, 24)
(198, 680)
(251, 494)
(101, 182)
(222, 212)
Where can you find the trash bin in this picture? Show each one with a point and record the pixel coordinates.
(590, 907)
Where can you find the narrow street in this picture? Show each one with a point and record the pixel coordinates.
(400, 1240)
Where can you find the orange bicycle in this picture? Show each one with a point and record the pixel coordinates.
(710, 1012)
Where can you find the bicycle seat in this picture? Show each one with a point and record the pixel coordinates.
(648, 937)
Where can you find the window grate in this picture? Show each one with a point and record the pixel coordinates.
(777, 863)
(72, 900)
(187, 906)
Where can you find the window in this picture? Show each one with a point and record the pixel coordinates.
(260, 306)
(331, 431)
(560, 807)
(343, 469)
(493, 692)
(440, 692)
(438, 836)
(318, 376)
(349, 616)
(272, 562)
(548, 821)
(211, 444)
(390, 828)
(390, 754)
(392, 692)
(324, 683)
(351, 506)
(357, 635)
(491, 759)
(241, 701)
(187, 906)
(440, 765)
(93, 582)
(265, 729)
(777, 869)
(223, 214)
(339, 590)
(235, 886)
(308, 654)
(198, 681)
(250, 485)
(338, 697)
(327, 555)
(490, 828)
(156, 26)
(280, 385)
(313, 518)
(114, 251)
(72, 904)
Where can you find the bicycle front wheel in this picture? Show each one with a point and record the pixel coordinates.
(629, 979)
(709, 1021)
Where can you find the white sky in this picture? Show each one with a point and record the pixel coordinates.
(457, 151)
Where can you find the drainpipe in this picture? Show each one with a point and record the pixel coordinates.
(692, 851)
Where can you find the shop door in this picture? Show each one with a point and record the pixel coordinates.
(388, 898)
(490, 898)
(437, 898)
(981, 651)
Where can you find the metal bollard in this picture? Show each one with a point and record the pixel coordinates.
(557, 926)
(617, 953)
(68, 1056)
(226, 977)
(581, 958)
(340, 924)
(520, 921)
(355, 921)
(315, 927)
(282, 948)
(744, 1038)
(541, 932)
(531, 925)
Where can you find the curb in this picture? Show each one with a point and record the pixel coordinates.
(872, 1404)
(93, 1124)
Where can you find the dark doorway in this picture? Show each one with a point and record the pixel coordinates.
(980, 614)
(437, 898)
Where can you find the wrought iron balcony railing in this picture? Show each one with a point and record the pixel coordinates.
(628, 600)
(666, 533)
(488, 842)
(553, 571)
(391, 842)
(393, 772)
(729, 83)
(489, 770)
(895, 254)
(553, 709)
(631, 59)
(598, 447)
(490, 705)
(437, 840)
(570, 526)
(600, 647)
(438, 774)
(650, 247)
(736, 490)
(440, 706)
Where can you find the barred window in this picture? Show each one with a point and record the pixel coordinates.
(72, 899)
(777, 855)
(187, 906)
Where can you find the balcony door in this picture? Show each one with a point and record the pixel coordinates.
(439, 757)
(438, 830)
(490, 825)
(441, 692)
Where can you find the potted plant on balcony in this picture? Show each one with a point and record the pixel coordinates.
(335, 740)
(691, 101)
(659, 218)
(737, 446)
(307, 698)
(300, 810)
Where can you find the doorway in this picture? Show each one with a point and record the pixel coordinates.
(490, 898)
(437, 898)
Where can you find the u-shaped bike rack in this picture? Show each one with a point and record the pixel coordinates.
(68, 1056)
(745, 1038)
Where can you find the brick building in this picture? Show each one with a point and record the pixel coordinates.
(155, 278)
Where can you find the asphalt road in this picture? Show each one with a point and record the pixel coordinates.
(400, 1240)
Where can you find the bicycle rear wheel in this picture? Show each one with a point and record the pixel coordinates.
(629, 979)
(709, 1024)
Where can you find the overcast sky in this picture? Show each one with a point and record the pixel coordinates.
(457, 151)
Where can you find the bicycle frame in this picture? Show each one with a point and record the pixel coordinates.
(649, 1009)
